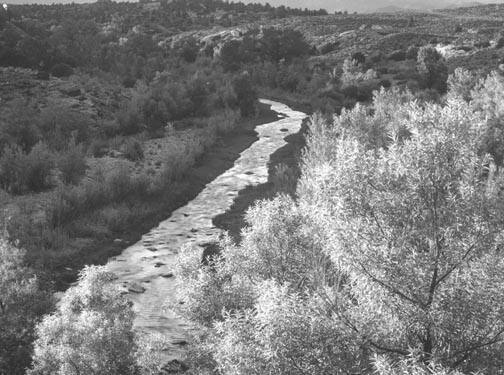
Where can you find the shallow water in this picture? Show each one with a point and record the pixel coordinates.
(147, 265)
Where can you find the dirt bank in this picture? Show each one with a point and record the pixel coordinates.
(219, 158)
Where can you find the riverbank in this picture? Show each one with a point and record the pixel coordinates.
(217, 159)
(146, 270)
(233, 220)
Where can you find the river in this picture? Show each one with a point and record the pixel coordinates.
(144, 270)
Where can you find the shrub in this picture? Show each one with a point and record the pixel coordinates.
(328, 47)
(398, 55)
(488, 96)
(19, 126)
(351, 91)
(22, 304)
(91, 329)
(130, 119)
(71, 163)
(189, 50)
(98, 148)
(155, 114)
(245, 95)
(499, 42)
(21, 173)
(231, 55)
(353, 75)
(359, 58)
(287, 44)
(431, 65)
(62, 70)
(12, 169)
(385, 83)
(460, 84)
(412, 53)
(60, 125)
(133, 150)
(39, 164)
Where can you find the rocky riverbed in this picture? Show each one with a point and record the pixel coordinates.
(145, 269)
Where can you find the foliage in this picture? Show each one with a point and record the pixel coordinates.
(133, 150)
(359, 58)
(409, 366)
(20, 172)
(71, 163)
(488, 96)
(415, 288)
(91, 331)
(245, 95)
(460, 84)
(61, 70)
(279, 336)
(21, 305)
(353, 75)
(431, 65)
(287, 44)
(392, 248)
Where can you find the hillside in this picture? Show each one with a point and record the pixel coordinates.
(114, 116)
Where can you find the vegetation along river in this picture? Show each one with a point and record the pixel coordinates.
(145, 269)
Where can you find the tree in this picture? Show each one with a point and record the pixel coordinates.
(392, 249)
(21, 305)
(287, 44)
(245, 94)
(90, 333)
(416, 226)
(431, 65)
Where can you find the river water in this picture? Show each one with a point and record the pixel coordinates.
(145, 269)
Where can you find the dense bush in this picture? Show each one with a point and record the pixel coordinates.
(22, 303)
(60, 125)
(133, 150)
(461, 83)
(61, 70)
(359, 58)
(431, 65)
(412, 53)
(353, 74)
(91, 332)
(245, 95)
(21, 173)
(71, 163)
(398, 55)
(336, 269)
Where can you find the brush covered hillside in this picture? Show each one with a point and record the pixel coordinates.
(378, 250)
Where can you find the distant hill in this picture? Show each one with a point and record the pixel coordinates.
(365, 6)
(361, 6)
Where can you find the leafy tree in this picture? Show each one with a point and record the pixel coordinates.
(231, 55)
(416, 227)
(431, 65)
(393, 248)
(245, 95)
(21, 305)
(353, 74)
(461, 83)
(409, 366)
(189, 50)
(90, 333)
(287, 44)
(284, 334)
(359, 58)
